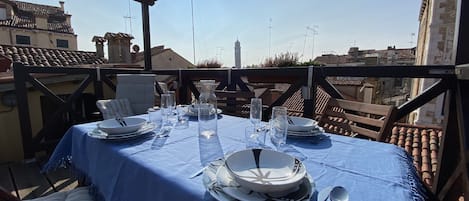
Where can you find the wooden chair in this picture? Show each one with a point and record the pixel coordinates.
(359, 119)
(139, 89)
(112, 108)
(234, 102)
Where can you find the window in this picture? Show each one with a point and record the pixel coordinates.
(62, 43)
(23, 40)
(3, 12)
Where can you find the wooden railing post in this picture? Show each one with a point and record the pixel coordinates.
(98, 84)
(20, 74)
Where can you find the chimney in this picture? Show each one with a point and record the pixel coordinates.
(118, 47)
(99, 42)
(61, 5)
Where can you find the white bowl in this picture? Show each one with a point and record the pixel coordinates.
(301, 124)
(265, 171)
(112, 126)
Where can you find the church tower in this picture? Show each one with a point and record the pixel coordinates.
(237, 54)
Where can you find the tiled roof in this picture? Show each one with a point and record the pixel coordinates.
(25, 12)
(110, 35)
(38, 9)
(48, 57)
(295, 103)
(422, 142)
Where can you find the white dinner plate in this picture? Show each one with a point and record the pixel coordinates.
(222, 187)
(97, 133)
(312, 133)
(301, 124)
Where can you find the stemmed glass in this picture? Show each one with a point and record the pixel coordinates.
(256, 112)
(279, 126)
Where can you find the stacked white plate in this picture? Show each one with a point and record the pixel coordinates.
(112, 129)
(258, 174)
(303, 127)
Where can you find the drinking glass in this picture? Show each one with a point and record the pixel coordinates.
(182, 118)
(278, 126)
(256, 111)
(255, 138)
(207, 120)
(167, 111)
(154, 116)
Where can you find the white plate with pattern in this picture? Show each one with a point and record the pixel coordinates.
(222, 187)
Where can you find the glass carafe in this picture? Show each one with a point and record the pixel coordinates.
(207, 93)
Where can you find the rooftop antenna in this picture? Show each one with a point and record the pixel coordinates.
(129, 17)
(193, 32)
(270, 34)
(411, 42)
(304, 44)
(314, 29)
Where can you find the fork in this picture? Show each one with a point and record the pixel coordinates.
(119, 121)
(290, 121)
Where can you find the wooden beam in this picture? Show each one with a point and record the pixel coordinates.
(20, 73)
(426, 96)
(329, 88)
(46, 91)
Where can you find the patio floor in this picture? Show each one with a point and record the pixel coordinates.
(24, 180)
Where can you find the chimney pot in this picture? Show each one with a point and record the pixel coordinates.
(61, 5)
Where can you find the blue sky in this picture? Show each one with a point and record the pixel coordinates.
(340, 24)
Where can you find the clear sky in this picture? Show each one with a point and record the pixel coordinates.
(257, 24)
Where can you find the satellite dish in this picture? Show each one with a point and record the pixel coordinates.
(135, 48)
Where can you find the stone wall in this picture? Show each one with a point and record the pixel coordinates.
(434, 47)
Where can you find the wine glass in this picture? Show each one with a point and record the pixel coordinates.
(279, 126)
(256, 112)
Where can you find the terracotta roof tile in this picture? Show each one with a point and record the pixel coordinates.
(48, 57)
(422, 143)
(295, 103)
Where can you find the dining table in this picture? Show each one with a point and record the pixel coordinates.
(165, 168)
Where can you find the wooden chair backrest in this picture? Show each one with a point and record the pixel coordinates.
(241, 100)
(356, 118)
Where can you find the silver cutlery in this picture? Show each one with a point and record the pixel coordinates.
(198, 173)
(119, 121)
(290, 121)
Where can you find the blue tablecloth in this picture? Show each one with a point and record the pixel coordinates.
(159, 168)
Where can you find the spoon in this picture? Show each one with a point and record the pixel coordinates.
(338, 193)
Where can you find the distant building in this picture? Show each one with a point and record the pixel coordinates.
(390, 91)
(39, 35)
(237, 54)
(357, 57)
(34, 25)
(162, 58)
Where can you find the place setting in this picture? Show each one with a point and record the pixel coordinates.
(121, 128)
(258, 174)
(300, 127)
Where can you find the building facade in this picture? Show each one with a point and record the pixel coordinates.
(34, 25)
(434, 47)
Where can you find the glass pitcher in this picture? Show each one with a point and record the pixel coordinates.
(207, 93)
